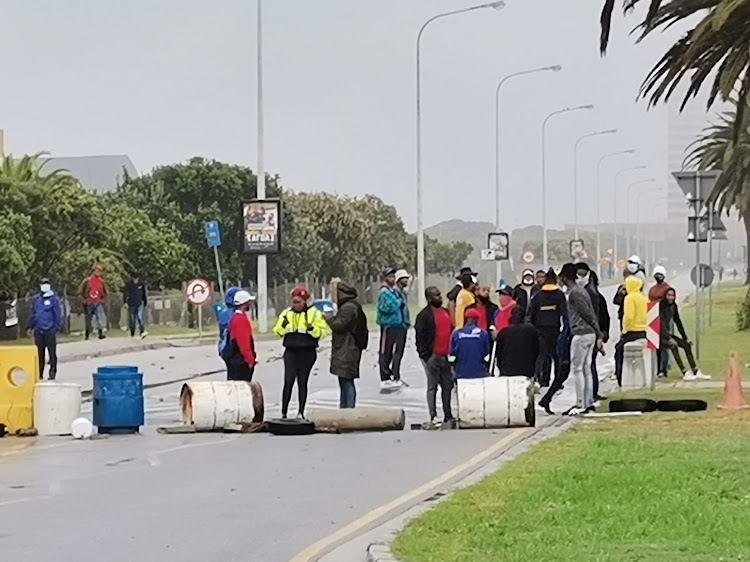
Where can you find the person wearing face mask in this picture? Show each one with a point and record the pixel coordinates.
(546, 312)
(526, 289)
(301, 327)
(239, 354)
(45, 322)
(657, 292)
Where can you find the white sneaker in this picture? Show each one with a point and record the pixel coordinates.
(144, 334)
(701, 375)
(575, 411)
(398, 384)
(689, 377)
(386, 385)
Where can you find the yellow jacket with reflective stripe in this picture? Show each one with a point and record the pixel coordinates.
(292, 326)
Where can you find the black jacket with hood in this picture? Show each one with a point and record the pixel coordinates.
(349, 334)
(547, 309)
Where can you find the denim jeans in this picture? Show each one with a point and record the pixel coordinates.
(580, 368)
(348, 393)
(137, 317)
(97, 312)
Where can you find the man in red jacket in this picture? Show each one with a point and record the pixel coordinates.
(240, 352)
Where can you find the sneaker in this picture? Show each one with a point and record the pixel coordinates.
(398, 383)
(102, 336)
(591, 409)
(595, 405)
(386, 385)
(546, 407)
(144, 334)
(701, 375)
(574, 411)
(687, 376)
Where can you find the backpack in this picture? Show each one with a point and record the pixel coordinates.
(361, 334)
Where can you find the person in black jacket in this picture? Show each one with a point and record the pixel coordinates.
(525, 290)
(517, 347)
(545, 312)
(434, 328)
(135, 297)
(601, 309)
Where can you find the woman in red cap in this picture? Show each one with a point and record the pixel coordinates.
(301, 327)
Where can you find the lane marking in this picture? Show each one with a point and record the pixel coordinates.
(315, 550)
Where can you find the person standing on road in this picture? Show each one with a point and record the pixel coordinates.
(45, 322)
(546, 312)
(136, 299)
(301, 327)
(584, 328)
(93, 291)
(393, 321)
(634, 320)
(224, 312)
(487, 309)
(433, 327)
(502, 316)
(517, 347)
(669, 314)
(350, 337)
(453, 293)
(591, 280)
(466, 299)
(470, 349)
(239, 354)
(562, 367)
(526, 289)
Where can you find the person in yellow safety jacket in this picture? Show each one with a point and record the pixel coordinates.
(301, 327)
(634, 320)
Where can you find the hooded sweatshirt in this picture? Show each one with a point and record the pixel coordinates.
(223, 312)
(46, 314)
(547, 308)
(391, 307)
(635, 307)
(657, 292)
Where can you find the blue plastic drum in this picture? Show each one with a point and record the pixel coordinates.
(118, 399)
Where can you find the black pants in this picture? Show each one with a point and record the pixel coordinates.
(46, 343)
(594, 373)
(240, 372)
(547, 354)
(685, 346)
(298, 362)
(392, 345)
(620, 351)
(562, 371)
(438, 372)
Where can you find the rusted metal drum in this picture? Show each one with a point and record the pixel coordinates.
(214, 405)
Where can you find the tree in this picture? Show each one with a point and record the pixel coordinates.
(16, 250)
(445, 258)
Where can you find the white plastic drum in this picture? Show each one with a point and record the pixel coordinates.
(495, 402)
(214, 405)
(56, 406)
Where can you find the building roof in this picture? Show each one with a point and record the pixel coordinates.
(98, 173)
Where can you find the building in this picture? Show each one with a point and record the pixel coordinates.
(97, 173)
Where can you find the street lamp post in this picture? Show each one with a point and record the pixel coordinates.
(545, 237)
(599, 206)
(555, 68)
(614, 199)
(420, 225)
(261, 182)
(575, 172)
(627, 208)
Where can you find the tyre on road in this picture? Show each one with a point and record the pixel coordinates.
(291, 427)
(633, 405)
(682, 405)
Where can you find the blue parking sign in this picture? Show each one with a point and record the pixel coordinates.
(213, 234)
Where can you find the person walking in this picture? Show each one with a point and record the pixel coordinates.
(584, 329)
(526, 289)
(301, 327)
(546, 312)
(562, 367)
(634, 320)
(136, 299)
(239, 354)
(470, 349)
(433, 337)
(349, 340)
(393, 319)
(669, 314)
(45, 322)
(517, 347)
(94, 292)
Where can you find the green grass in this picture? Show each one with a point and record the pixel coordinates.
(658, 488)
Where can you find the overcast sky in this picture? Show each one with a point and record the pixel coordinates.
(165, 80)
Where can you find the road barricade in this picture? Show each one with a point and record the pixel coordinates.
(495, 402)
(214, 405)
(56, 406)
(19, 372)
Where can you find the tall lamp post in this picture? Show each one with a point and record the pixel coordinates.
(627, 208)
(555, 68)
(575, 172)
(545, 237)
(599, 206)
(261, 181)
(420, 225)
(614, 206)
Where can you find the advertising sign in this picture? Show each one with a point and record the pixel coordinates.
(261, 226)
(499, 243)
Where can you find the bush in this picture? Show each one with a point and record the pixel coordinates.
(743, 314)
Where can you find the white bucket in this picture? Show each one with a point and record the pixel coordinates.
(494, 402)
(56, 406)
(214, 405)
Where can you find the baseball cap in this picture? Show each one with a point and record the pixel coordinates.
(401, 274)
(388, 271)
(472, 313)
(242, 297)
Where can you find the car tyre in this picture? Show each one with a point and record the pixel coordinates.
(291, 427)
(682, 405)
(633, 405)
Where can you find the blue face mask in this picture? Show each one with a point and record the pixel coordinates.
(633, 267)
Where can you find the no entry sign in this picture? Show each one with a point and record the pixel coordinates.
(198, 292)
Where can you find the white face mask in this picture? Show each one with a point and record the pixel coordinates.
(45, 287)
(582, 281)
(633, 267)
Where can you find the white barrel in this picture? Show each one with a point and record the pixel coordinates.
(494, 402)
(56, 406)
(214, 405)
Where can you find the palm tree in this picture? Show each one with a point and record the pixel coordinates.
(718, 45)
(726, 146)
(28, 169)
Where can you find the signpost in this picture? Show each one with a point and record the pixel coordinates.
(499, 244)
(213, 237)
(528, 257)
(198, 292)
(576, 250)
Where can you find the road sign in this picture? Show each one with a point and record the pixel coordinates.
(716, 224)
(621, 263)
(707, 276)
(697, 186)
(488, 255)
(697, 229)
(719, 235)
(198, 292)
(653, 325)
(528, 257)
(576, 249)
(213, 234)
(499, 243)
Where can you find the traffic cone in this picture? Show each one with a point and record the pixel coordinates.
(734, 396)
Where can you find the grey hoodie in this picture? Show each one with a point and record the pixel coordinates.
(583, 319)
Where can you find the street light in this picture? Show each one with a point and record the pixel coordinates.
(420, 226)
(627, 208)
(260, 191)
(555, 68)
(575, 172)
(545, 241)
(614, 199)
(599, 206)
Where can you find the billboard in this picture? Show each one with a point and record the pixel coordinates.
(261, 226)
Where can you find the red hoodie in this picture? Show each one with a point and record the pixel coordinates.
(241, 330)
(502, 318)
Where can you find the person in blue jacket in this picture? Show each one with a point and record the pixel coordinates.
(223, 312)
(45, 321)
(470, 349)
(393, 319)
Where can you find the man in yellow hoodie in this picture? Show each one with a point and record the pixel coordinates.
(634, 320)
